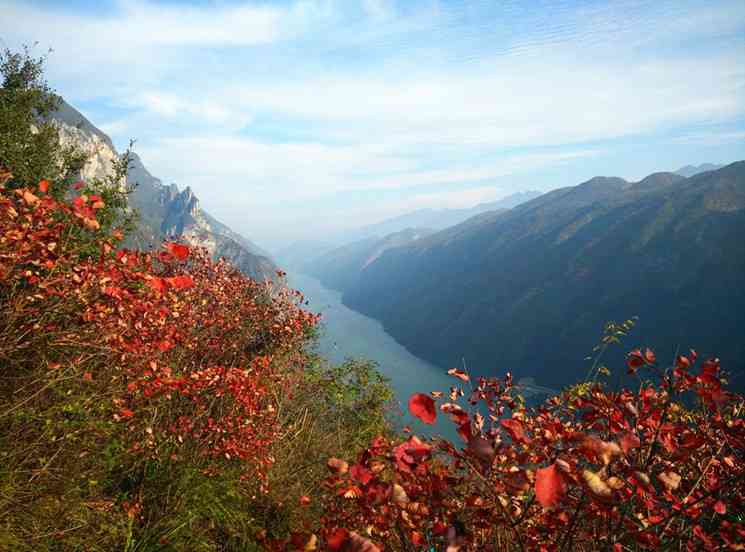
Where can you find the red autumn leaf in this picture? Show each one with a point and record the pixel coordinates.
(179, 251)
(304, 500)
(460, 374)
(628, 441)
(157, 284)
(635, 360)
(44, 186)
(423, 407)
(710, 371)
(336, 539)
(550, 486)
(410, 452)
(165, 345)
(720, 508)
(457, 414)
(361, 474)
(126, 413)
(181, 282)
(516, 430)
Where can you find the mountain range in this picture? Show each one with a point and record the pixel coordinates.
(164, 211)
(340, 268)
(438, 219)
(307, 255)
(529, 289)
(693, 170)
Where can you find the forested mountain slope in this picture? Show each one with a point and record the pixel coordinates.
(528, 290)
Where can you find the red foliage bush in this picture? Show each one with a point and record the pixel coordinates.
(179, 359)
(174, 356)
(661, 467)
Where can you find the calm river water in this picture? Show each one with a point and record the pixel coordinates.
(346, 333)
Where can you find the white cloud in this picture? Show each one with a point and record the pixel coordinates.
(263, 104)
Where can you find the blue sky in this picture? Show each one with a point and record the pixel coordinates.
(299, 118)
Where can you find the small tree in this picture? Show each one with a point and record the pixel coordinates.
(31, 149)
(30, 145)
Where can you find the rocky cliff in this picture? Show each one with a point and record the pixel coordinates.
(164, 211)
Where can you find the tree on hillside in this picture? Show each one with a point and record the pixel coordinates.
(31, 149)
(30, 145)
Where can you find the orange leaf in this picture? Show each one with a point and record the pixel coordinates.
(423, 407)
(30, 198)
(550, 486)
(43, 186)
(337, 466)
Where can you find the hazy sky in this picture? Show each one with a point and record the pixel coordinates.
(298, 117)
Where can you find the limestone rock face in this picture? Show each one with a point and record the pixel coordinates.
(164, 212)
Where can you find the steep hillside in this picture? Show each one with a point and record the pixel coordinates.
(528, 290)
(164, 210)
(340, 268)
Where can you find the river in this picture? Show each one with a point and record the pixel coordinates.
(346, 333)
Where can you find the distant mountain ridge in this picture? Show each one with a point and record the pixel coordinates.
(303, 254)
(529, 289)
(693, 170)
(340, 268)
(436, 219)
(164, 210)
